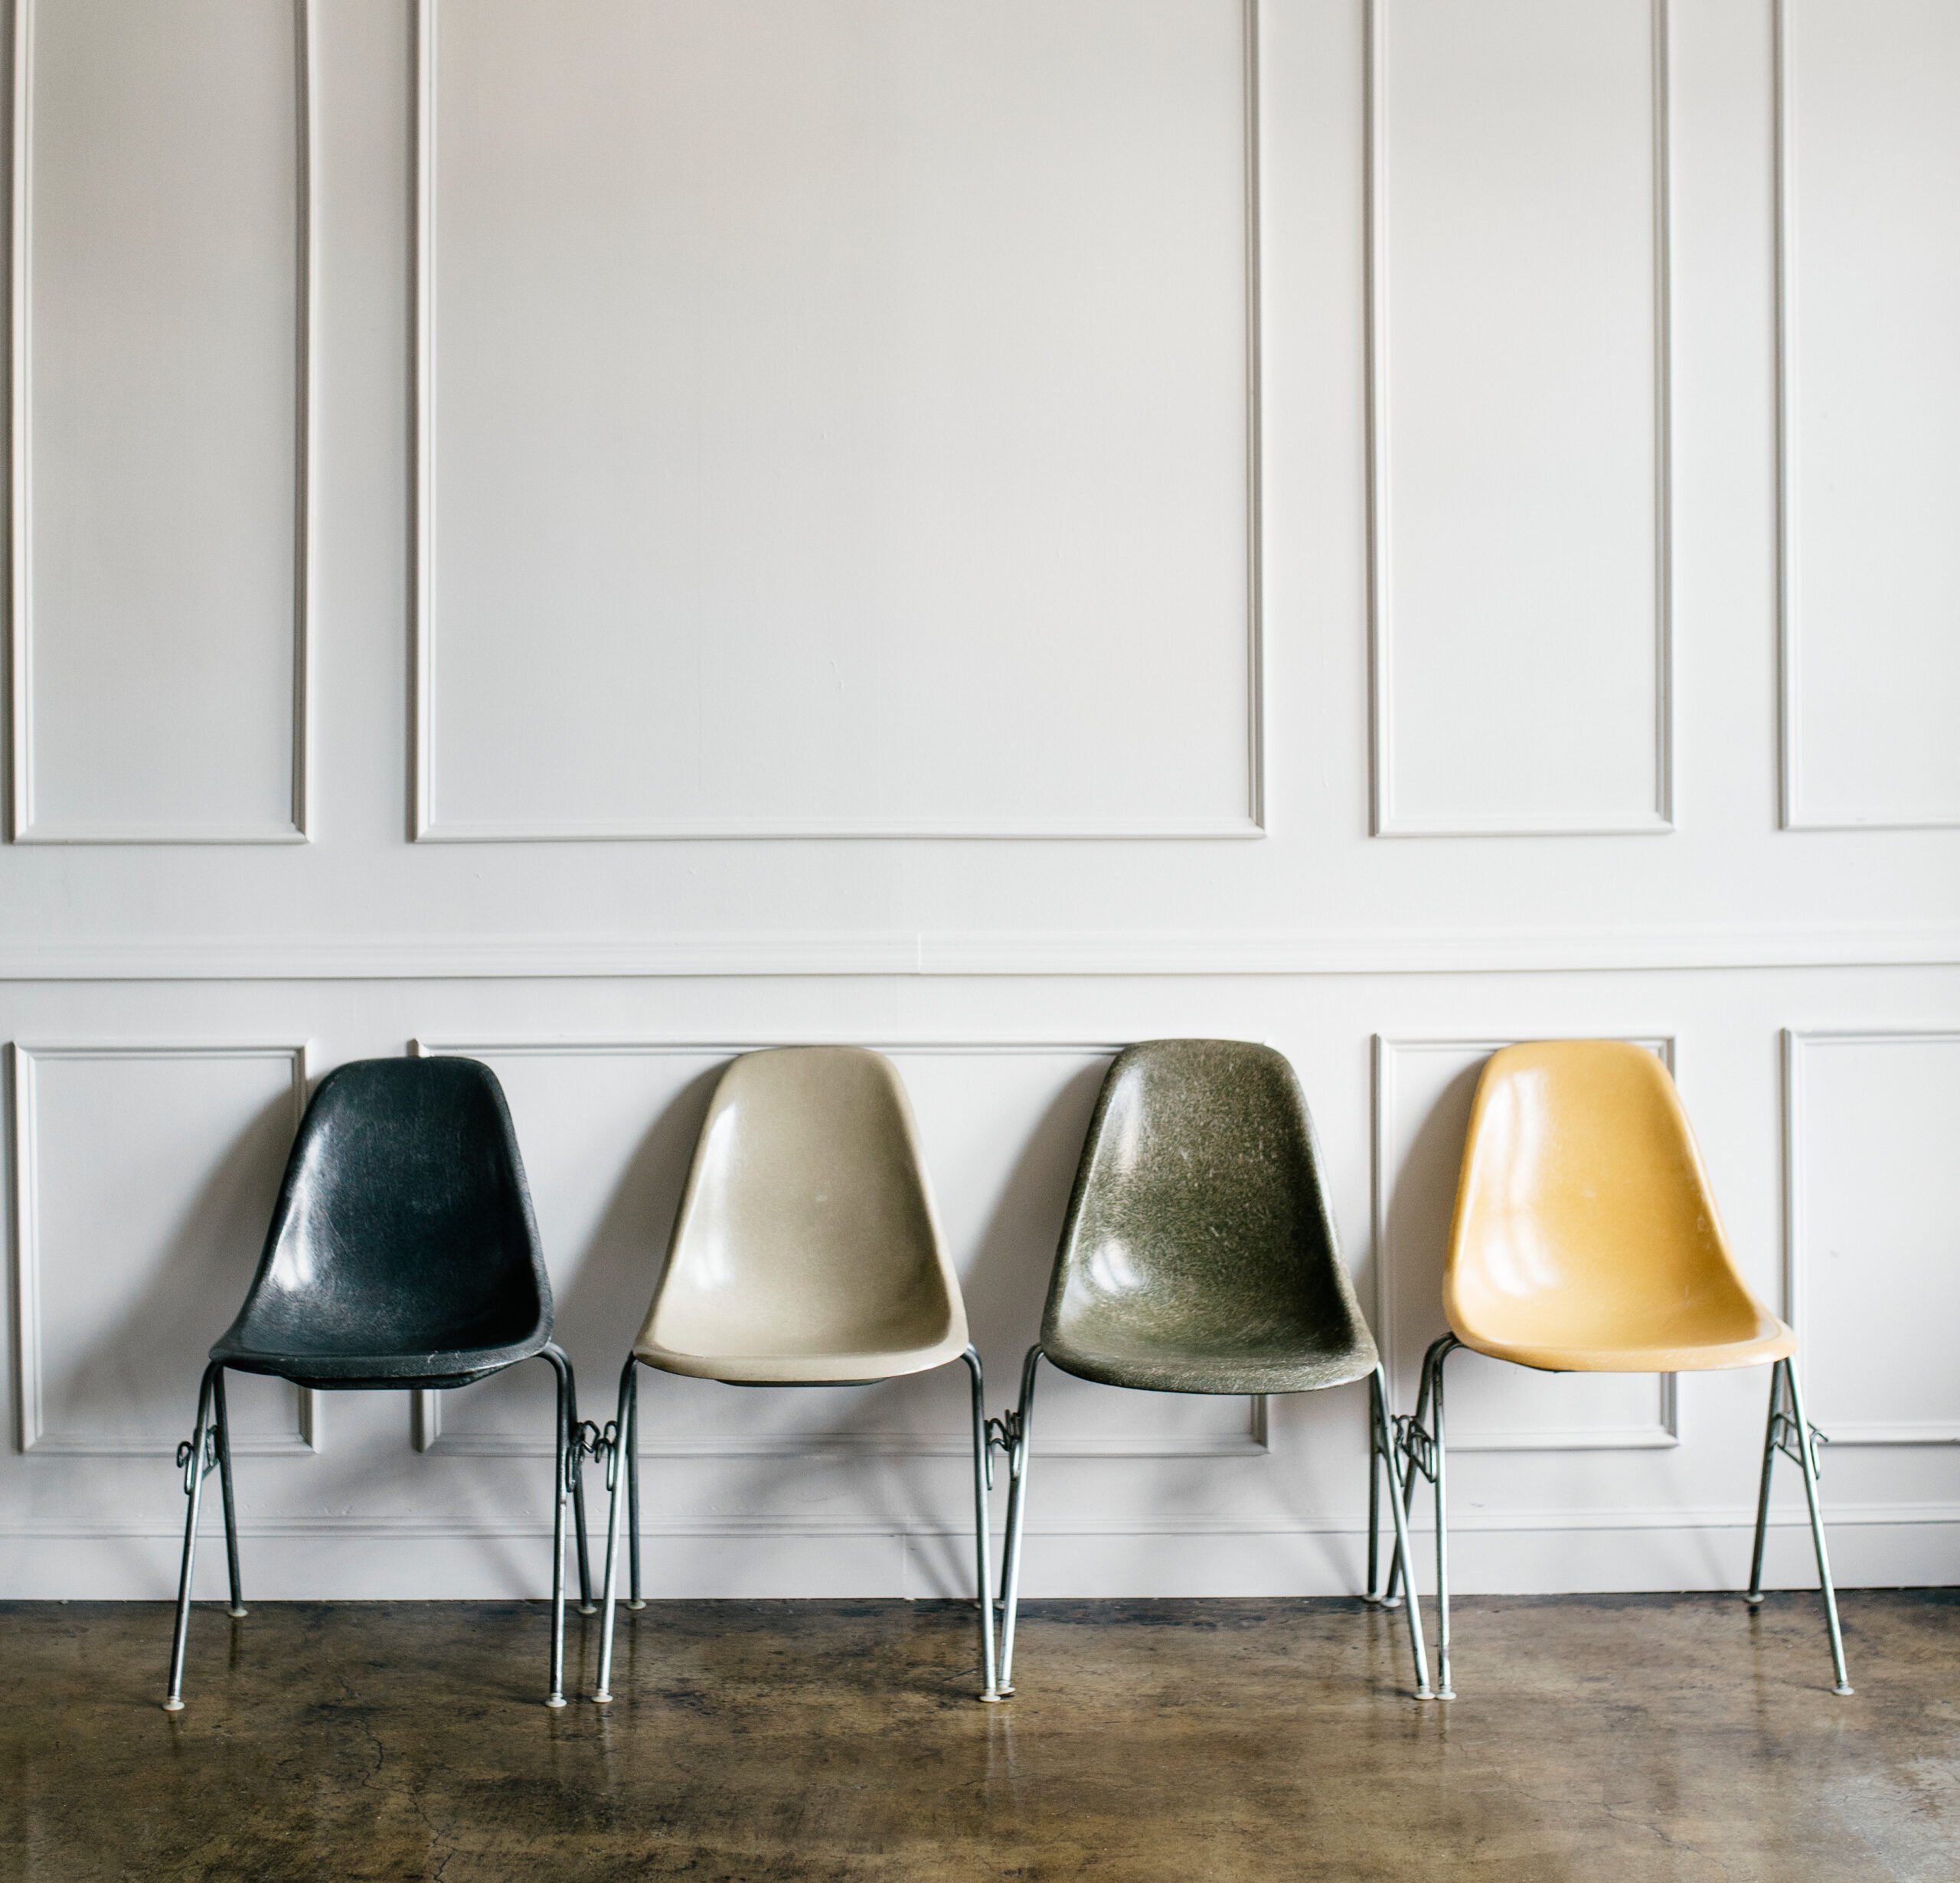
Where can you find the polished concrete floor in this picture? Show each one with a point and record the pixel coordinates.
(1614, 1740)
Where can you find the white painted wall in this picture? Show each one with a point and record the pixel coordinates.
(598, 533)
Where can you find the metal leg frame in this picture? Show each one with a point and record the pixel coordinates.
(631, 1380)
(1381, 1456)
(1420, 1442)
(570, 1450)
(983, 1482)
(1791, 1433)
(1013, 1432)
(621, 1443)
(208, 1449)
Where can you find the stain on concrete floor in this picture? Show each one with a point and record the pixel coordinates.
(1614, 1740)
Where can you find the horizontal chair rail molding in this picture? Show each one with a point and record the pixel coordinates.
(474, 1525)
(982, 953)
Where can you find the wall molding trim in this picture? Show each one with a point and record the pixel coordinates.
(1385, 819)
(981, 954)
(426, 827)
(1554, 1521)
(23, 826)
(1664, 1433)
(1795, 1042)
(1789, 666)
(31, 1433)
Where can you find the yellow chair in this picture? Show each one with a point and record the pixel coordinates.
(1587, 1240)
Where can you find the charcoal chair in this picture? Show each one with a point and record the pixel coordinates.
(1199, 1254)
(402, 1253)
(1586, 1240)
(805, 1253)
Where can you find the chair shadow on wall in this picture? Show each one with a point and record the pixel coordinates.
(188, 1299)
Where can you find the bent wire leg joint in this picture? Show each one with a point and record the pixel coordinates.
(1419, 1440)
(983, 1482)
(208, 1449)
(1013, 1432)
(1792, 1433)
(1382, 1449)
(619, 1442)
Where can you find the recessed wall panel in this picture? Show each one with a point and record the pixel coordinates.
(1424, 1089)
(1873, 1285)
(1518, 269)
(145, 1180)
(1870, 175)
(159, 416)
(837, 420)
(607, 1129)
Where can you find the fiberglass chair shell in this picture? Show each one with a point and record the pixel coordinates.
(1586, 1240)
(402, 1253)
(805, 1252)
(1199, 1254)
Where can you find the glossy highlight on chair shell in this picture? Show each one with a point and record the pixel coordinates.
(1586, 1238)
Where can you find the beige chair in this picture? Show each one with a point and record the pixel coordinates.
(1586, 1240)
(805, 1253)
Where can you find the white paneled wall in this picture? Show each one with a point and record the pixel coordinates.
(159, 423)
(597, 535)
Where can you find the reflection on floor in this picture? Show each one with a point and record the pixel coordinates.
(1607, 1739)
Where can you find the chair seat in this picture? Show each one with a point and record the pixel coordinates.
(432, 1370)
(1769, 1340)
(1183, 1368)
(824, 1364)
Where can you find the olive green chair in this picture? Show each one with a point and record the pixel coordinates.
(1200, 1255)
(805, 1253)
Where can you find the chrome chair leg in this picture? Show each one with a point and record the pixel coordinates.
(1771, 1430)
(1378, 1448)
(624, 1442)
(1792, 1434)
(630, 1425)
(1016, 1438)
(983, 1479)
(1412, 1443)
(1440, 1353)
(223, 1423)
(196, 1456)
(583, 1439)
(1378, 1455)
(567, 1468)
(1421, 1444)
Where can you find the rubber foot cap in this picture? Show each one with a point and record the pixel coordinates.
(636, 1603)
(557, 1700)
(173, 1706)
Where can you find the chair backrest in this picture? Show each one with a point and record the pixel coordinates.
(1199, 1208)
(1584, 1216)
(403, 1225)
(806, 1227)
